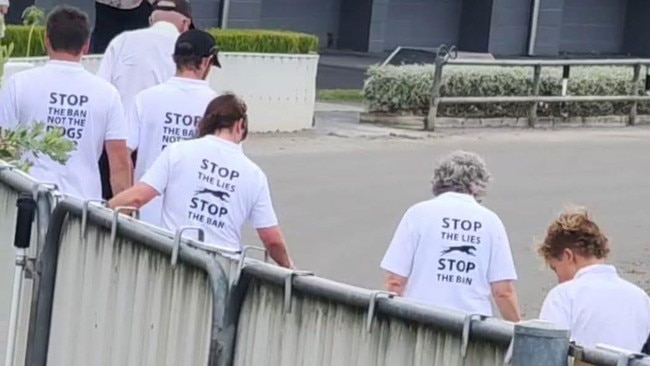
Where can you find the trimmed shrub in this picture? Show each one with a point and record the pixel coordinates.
(264, 41)
(407, 89)
(229, 40)
(19, 36)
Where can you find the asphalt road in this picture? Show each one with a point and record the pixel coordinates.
(340, 198)
(341, 189)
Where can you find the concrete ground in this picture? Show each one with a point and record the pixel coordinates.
(341, 189)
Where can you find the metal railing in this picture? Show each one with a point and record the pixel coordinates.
(113, 290)
(295, 318)
(115, 293)
(447, 55)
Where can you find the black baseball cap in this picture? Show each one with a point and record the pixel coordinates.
(180, 6)
(196, 42)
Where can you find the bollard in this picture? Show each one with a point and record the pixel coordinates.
(538, 343)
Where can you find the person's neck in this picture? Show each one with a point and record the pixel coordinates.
(586, 262)
(63, 56)
(189, 74)
(226, 135)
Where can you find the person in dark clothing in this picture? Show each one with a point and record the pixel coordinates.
(111, 19)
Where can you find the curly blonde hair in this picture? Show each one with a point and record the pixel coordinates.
(574, 229)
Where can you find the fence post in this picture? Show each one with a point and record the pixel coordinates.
(430, 121)
(532, 113)
(443, 54)
(635, 91)
(537, 343)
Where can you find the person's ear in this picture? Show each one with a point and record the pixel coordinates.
(48, 44)
(85, 49)
(569, 255)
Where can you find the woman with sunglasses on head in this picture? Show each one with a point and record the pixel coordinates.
(209, 182)
(591, 300)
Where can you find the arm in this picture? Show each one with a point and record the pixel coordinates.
(119, 162)
(502, 274)
(395, 283)
(274, 243)
(116, 134)
(153, 183)
(398, 260)
(134, 122)
(9, 113)
(262, 217)
(105, 70)
(136, 196)
(505, 297)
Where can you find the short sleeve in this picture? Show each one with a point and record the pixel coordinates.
(555, 309)
(502, 265)
(401, 251)
(262, 215)
(158, 174)
(134, 122)
(9, 117)
(116, 126)
(105, 70)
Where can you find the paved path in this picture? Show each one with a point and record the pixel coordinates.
(340, 191)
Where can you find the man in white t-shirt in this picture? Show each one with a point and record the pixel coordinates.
(451, 251)
(592, 300)
(141, 58)
(209, 182)
(170, 111)
(64, 95)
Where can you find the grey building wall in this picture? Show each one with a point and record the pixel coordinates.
(422, 23)
(510, 27)
(205, 13)
(245, 14)
(475, 23)
(378, 25)
(317, 17)
(636, 40)
(549, 27)
(415, 23)
(593, 26)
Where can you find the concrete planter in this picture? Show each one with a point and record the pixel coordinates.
(279, 89)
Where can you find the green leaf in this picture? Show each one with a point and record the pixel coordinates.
(36, 140)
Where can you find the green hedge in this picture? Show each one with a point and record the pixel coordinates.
(407, 89)
(229, 40)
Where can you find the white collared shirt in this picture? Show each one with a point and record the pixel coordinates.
(210, 183)
(139, 59)
(64, 95)
(451, 248)
(598, 306)
(161, 115)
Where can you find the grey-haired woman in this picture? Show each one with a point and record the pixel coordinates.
(451, 251)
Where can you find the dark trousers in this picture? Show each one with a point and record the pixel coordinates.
(109, 22)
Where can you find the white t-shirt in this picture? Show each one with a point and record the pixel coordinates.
(598, 306)
(451, 248)
(209, 182)
(159, 116)
(139, 59)
(65, 95)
